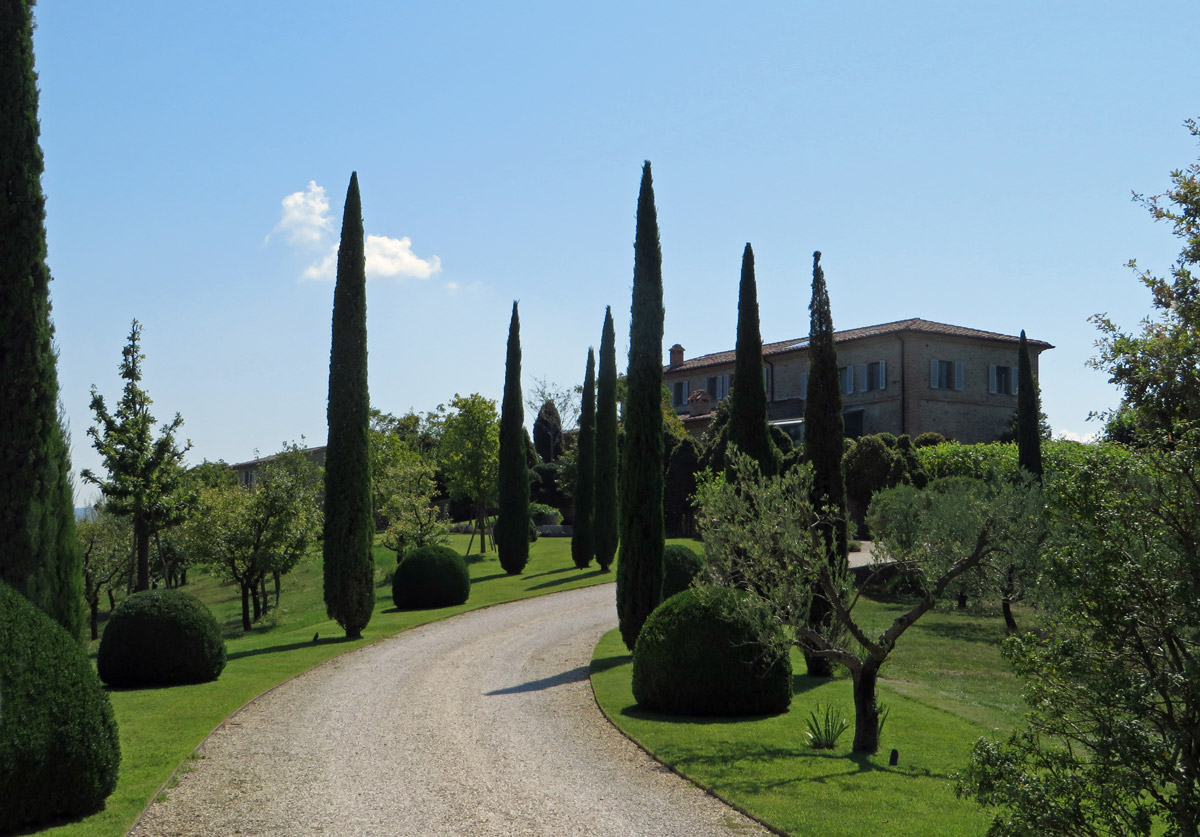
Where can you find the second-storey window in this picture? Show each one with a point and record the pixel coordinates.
(679, 393)
(946, 374)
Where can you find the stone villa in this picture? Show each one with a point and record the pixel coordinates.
(910, 376)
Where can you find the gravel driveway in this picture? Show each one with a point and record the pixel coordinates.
(483, 724)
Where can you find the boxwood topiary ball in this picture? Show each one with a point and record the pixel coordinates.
(680, 565)
(59, 750)
(160, 638)
(704, 652)
(432, 576)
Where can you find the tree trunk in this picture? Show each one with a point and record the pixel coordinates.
(183, 577)
(962, 601)
(245, 607)
(866, 710)
(112, 601)
(481, 525)
(254, 600)
(276, 589)
(262, 586)
(94, 606)
(1006, 603)
(141, 539)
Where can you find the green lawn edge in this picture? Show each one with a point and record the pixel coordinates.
(161, 728)
(947, 689)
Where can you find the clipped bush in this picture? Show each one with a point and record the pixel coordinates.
(927, 440)
(59, 750)
(680, 565)
(432, 576)
(712, 651)
(160, 638)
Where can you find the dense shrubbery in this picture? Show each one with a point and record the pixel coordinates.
(160, 638)
(432, 576)
(680, 565)
(59, 751)
(712, 651)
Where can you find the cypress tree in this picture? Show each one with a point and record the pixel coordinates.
(605, 525)
(349, 523)
(640, 570)
(1029, 410)
(512, 524)
(824, 441)
(547, 432)
(747, 426)
(38, 551)
(583, 544)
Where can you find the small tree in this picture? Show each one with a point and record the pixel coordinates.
(583, 542)
(640, 571)
(548, 432)
(759, 537)
(824, 446)
(349, 522)
(146, 479)
(747, 425)
(414, 517)
(512, 523)
(605, 520)
(105, 541)
(469, 454)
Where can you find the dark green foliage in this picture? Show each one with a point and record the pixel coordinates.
(1029, 408)
(639, 572)
(747, 424)
(583, 543)
(712, 651)
(59, 751)
(680, 565)
(432, 576)
(682, 467)
(160, 638)
(38, 552)
(512, 524)
(548, 433)
(926, 440)
(349, 519)
(605, 520)
(824, 444)
(146, 481)
(873, 463)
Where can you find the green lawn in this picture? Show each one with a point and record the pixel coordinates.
(945, 686)
(161, 727)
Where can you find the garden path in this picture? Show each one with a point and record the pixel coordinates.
(482, 724)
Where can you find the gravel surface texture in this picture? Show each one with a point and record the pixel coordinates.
(483, 724)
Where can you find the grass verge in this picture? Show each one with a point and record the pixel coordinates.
(945, 686)
(159, 728)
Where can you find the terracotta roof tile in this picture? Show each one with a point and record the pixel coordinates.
(914, 324)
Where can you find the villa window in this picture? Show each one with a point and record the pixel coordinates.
(679, 394)
(946, 374)
(1002, 380)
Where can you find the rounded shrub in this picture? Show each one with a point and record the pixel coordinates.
(59, 750)
(160, 638)
(432, 576)
(712, 651)
(680, 565)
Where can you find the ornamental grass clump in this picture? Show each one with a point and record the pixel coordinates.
(825, 726)
(712, 651)
(160, 638)
(429, 577)
(59, 751)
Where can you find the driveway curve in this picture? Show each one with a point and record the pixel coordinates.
(482, 724)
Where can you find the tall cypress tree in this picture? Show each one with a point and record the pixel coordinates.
(640, 570)
(747, 426)
(512, 524)
(824, 441)
(349, 523)
(1029, 411)
(38, 551)
(583, 542)
(605, 517)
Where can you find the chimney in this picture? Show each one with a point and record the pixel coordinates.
(676, 355)
(699, 403)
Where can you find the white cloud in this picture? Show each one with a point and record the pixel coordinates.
(394, 257)
(305, 217)
(1072, 436)
(326, 268)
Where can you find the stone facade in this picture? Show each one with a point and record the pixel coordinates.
(910, 376)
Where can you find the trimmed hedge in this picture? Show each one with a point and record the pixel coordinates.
(680, 565)
(712, 651)
(432, 576)
(160, 638)
(59, 750)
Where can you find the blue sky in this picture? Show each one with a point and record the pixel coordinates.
(969, 163)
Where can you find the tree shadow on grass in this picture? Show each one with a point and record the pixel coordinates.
(291, 646)
(491, 577)
(974, 631)
(559, 581)
(605, 663)
(575, 675)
